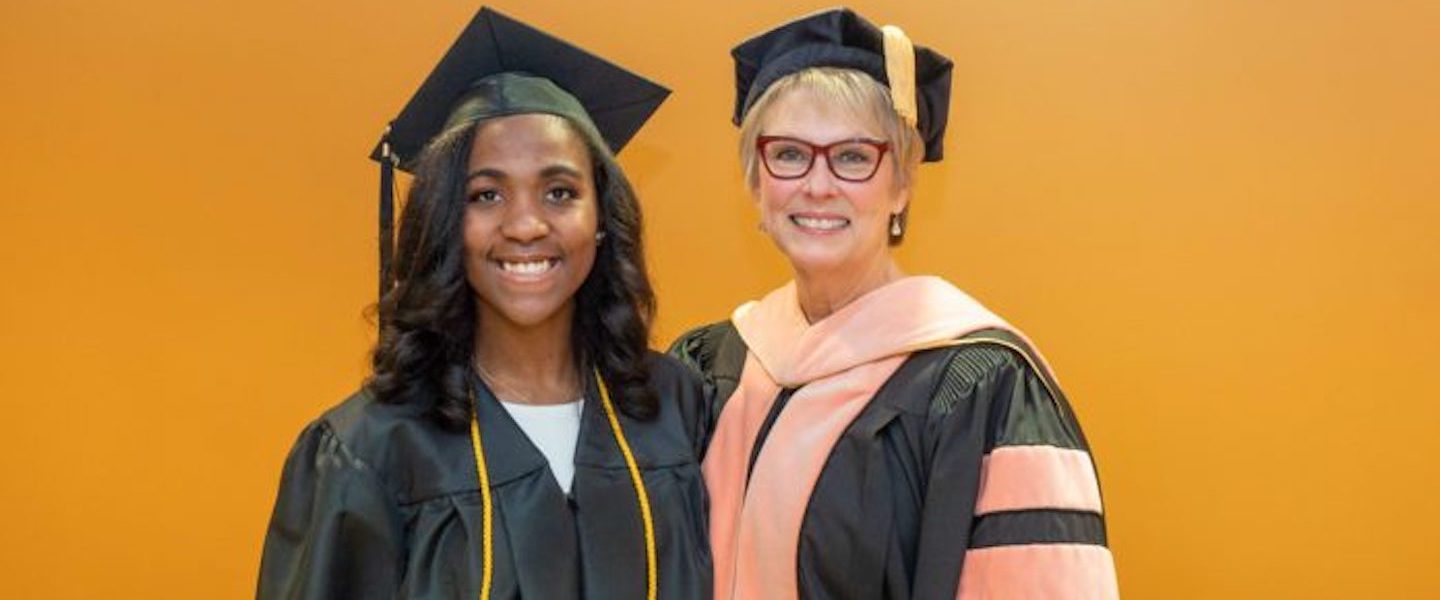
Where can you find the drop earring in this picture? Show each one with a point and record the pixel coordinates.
(896, 230)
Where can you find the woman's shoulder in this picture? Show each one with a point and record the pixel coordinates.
(684, 405)
(986, 354)
(935, 380)
(399, 444)
(995, 375)
(673, 380)
(666, 369)
(702, 347)
(715, 351)
(365, 424)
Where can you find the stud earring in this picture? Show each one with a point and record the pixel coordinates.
(599, 237)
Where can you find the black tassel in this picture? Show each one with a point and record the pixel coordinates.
(387, 217)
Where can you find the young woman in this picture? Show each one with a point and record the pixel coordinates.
(879, 435)
(517, 438)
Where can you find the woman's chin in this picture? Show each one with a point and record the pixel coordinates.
(814, 258)
(526, 313)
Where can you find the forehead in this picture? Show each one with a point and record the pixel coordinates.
(528, 139)
(818, 116)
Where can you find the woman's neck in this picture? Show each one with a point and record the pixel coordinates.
(528, 365)
(822, 293)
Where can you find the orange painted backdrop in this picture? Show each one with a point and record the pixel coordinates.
(1218, 218)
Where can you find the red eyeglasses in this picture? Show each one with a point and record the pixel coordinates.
(854, 160)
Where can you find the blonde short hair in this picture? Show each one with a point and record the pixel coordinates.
(853, 90)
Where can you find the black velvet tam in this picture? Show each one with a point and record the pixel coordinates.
(840, 38)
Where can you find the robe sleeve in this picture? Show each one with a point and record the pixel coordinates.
(1012, 508)
(335, 531)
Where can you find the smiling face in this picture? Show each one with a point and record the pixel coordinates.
(823, 223)
(531, 216)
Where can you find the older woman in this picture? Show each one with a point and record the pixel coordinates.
(516, 439)
(879, 435)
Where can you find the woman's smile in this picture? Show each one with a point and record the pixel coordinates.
(527, 269)
(819, 223)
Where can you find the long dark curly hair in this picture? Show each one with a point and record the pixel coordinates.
(427, 319)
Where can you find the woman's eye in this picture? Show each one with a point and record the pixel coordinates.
(853, 157)
(790, 154)
(485, 196)
(561, 194)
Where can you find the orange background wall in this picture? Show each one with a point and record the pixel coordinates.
(1218, 218)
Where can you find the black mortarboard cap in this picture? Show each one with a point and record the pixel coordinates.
(488, 67)
(841, 38)
(499, 66)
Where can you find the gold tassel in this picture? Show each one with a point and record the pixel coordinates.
(900, 70)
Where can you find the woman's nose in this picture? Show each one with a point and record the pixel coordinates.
(820, 181)
(525, 221)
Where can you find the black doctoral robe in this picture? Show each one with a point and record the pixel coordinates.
(893, 514)
(378, 501)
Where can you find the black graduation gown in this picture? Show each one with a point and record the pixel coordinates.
(378, 501)
(892, 513)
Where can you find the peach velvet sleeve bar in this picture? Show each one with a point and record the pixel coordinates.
(1039, 572)
(1036, 477)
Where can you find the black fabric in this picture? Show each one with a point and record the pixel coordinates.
(779, 405)
(387, 226)
(841, 38)
(377, 501)
(1060, 426)
(892, 513)
(583, 87)
(716, 351)
(1038, 527)
(505, 94)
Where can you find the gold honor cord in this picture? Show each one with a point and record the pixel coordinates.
(651, 571)
(487, 540)
(487, 550)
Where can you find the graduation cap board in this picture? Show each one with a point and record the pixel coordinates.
(919, 77)
(499, 66)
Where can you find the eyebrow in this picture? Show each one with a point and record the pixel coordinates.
(550, 171)
(863, 137)
(491, 173)
(554, 170)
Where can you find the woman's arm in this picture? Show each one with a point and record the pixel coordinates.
(1012, 506)
(335, 531)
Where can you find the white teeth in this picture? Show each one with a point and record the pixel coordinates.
(825, 224)
(529, 267)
